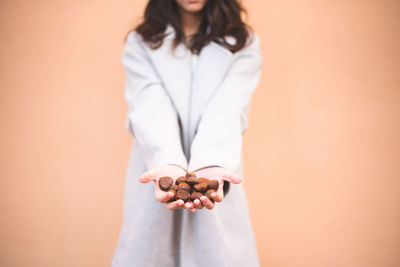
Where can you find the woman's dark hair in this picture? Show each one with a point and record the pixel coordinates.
(223, 17)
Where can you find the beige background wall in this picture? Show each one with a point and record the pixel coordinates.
(321, 154)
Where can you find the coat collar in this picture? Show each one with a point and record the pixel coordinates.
(169, 31)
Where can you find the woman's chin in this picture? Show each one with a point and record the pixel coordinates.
(192, 6)
(193, 9)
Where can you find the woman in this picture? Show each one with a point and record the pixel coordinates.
(191, 68)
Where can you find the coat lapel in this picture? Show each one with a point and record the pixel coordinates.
(212, 65)
(190, 94)
(174, 71)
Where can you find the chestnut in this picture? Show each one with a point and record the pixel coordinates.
(184, 186)
(173, 187)
(181, 179)
(201, 187)
(182, 194)
(192, 181)
(165, 183)
(195, 195)
(213, 184)
(190, 175)
(203, 180)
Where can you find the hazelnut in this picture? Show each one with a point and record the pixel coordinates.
(213, 184)
(201, 187)
(182, 194)
(165, 183)
(181, 179)
(204, 180)
(184, 186)
(208, 194)
(196, 195)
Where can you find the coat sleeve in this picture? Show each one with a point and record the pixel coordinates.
(152, 118)
(218, 140)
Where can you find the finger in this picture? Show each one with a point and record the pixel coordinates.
(207, 203)
(147, 176)
(175, 204)
(189, 205)
(233, 178)
(219, 195)
(197, 204)
(160, 195)
(193, 210)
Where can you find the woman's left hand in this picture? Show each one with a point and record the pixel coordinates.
(215, 173)
(172, 171)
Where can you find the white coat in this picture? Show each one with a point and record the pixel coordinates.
(193, 119)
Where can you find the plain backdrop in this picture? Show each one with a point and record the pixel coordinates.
(322, 152)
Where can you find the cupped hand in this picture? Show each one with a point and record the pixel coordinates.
(215, 173)
(155, 174)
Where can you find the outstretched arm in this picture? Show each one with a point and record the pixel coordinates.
(218, 140)
(152, 118)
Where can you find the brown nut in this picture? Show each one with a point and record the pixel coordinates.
(195, 195)
(213, 184)
(190, 175)
(208, 194)
(192, 181)
(184, 186)
(182, 194)
(165, 183)
(181, 179)
(173, 187)
(201, 187)
(204, 180)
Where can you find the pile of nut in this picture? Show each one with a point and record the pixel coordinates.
(188, 187)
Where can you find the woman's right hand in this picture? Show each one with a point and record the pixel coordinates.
(173, 171)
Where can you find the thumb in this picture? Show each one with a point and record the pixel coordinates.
(147, 176)
(233, 178)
